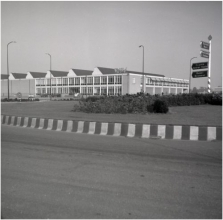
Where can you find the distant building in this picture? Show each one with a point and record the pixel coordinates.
(218, 89)
(100, 81)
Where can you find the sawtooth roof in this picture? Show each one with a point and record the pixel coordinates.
(4, 76)
(105, 70)
(38, 74)
(19, 75)
(147, 74)
(79, 72)
(58, 73)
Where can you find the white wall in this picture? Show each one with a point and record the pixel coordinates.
(96, 72)
(48, 74)
(71, 73)
(29, 76)
(11, 76)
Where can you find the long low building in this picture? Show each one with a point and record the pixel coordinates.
(101, 81)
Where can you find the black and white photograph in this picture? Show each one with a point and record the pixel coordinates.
(111, 110)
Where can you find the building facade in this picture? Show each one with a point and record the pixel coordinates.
(101, 81)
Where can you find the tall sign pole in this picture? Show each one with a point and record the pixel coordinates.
(205, 54)
(209, 69)
(143, 85)
(190, 74)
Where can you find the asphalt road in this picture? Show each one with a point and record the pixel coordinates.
(49, 174)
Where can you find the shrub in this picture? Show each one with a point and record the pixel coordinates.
(216, 99)
(160, 106)
(143, 103)
(150, 108)
(92, 98)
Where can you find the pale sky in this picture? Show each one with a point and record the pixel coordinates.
(84, 35)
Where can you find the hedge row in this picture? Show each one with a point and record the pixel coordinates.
(143, 103)
(64, 99)
(48, 95)
(18, 100)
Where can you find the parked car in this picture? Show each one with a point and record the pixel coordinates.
(31, 97)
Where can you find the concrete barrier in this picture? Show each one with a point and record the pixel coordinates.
(131, 130)
(6, 119)
(12, 120)
(175, 132)
(59, 125)
(69, 126)
(26, 119)
(33, 123)
(145, 131)
(92, 128)
(80, 127)
(162, 131)
(117, 129)
(41, 123)
(194, 133)
(104, 128)
(18, 121)
(211, 133)
(50, 124)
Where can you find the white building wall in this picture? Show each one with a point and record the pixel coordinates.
(71, 73)
(11, 77)
(29, 76)
(96, 72)
(48, 73)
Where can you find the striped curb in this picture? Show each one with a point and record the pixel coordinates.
(174, 132)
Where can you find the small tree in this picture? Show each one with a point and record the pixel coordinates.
(160, 106)
(194, 90)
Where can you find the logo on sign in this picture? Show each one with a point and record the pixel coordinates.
(204, 45)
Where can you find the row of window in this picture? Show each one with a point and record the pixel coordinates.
(160, 82)
(168, 84)
(59, 90)
(156, 84)
(97, 80)
(111, 90)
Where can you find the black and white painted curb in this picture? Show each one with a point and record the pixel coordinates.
(176, 132)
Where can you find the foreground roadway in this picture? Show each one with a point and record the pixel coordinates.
(50, 174)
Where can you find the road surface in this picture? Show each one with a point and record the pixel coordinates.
(50, 174)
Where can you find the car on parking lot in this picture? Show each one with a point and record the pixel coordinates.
(31, 97)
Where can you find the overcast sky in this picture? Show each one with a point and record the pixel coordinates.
(84, 35)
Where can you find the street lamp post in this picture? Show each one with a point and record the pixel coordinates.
(143, 68)
(50, 74)
(8, 64)
(190, 74)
